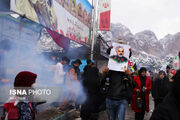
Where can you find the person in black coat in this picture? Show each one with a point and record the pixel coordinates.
(169, 109)
(160, 88)
(91, 84)
(86, 68)
(118, 89)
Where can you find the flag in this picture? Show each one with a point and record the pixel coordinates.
(176, 62)
(104, 11)
(61, 40)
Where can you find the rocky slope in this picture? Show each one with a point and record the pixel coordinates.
(147, 49)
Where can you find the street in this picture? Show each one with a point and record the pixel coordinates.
(54, 114)
(129, 113)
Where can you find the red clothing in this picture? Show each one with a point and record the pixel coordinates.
(148, 86)
(12, 110)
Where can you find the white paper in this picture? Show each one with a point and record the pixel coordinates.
(118, 58)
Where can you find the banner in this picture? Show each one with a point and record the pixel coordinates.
(119, 56)
(176, 62)
(132, 64)
(104, 11)
(70, 18)
(62, 41)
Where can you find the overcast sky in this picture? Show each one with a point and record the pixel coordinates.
(160, 16)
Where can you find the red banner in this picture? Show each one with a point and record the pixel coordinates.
(61, 40)
(104, 24)
(104, 10)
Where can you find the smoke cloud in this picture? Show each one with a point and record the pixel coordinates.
(20, 53)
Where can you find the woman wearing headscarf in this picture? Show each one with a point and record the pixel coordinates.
(169, 109)
(142, 90)
(160, 88)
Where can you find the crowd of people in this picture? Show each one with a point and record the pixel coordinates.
(107, 90)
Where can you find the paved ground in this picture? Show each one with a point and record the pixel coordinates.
(130, 114)
(54, 114)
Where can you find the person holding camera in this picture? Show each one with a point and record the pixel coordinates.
(118, 85)
(140, 100)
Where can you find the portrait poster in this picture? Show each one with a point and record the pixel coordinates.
(118, 58)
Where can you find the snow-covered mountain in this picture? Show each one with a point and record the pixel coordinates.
(147, 49)
(147, 41)
(171, 44)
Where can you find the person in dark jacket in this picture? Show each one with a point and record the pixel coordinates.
(168, 70)
(86, 68)
(160, 88)
(116, 98)
(91, 83)
(76, 65)
(169, 109)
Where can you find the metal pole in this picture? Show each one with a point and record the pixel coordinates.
(94, 4)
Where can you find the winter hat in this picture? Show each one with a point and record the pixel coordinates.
(25, 79)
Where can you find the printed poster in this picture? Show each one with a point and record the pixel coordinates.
(70, 18)
(118, 58)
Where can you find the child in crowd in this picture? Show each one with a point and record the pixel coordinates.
(20, 107)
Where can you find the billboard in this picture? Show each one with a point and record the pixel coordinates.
(70, 18)
(104, 11)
